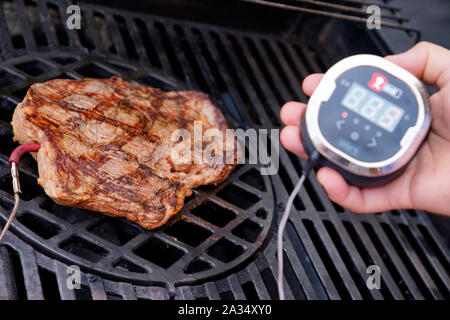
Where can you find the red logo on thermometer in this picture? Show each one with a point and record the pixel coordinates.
(377, 82)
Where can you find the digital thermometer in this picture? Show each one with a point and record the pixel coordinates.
(367, 118)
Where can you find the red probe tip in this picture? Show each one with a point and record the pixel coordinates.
(20, 150)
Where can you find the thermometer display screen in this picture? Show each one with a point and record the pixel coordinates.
(372, 107)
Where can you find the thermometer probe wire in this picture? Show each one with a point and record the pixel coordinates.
(284, 218)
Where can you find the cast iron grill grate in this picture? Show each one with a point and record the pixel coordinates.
(115, 248)
(327, 248)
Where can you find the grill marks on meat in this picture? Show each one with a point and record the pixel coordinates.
(105, 145)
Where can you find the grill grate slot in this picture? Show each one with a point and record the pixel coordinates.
(18, 281)
(105, 37)
(94, 71)
(234, 75)
(34, 68)
(227, 295)
(84, 293)
(188, 232)
(270, 283)
(49, 284)
(10, 11)
(305, 261)
(197, 265)
(84, 38)
(70, 214)
(285, 78)
(436, 250)
(388, 261)
(212, 212)
(298, 203)
(187, 55)
(365, 256)
(168, 50)
(43, 228)
(266, 74)
(356, 274)
(326, 259)
(63, 38)
(7, 78)
(38, 33)
(64, 60)
(250, 291)
(124, 264)
(211, 65)
(248, 230)
(225, 250)
(7, 146)
(238, 196)
(422, 256)
(159, 252)
(84, 249)
(292, 280)
(255, 79)
(261, 213)
(148, 43)
(317, 202)
(127, 40)
(253, 178)
(406, 260)
(7, 106)
(113, 296)
(116, 231)
(20, 94)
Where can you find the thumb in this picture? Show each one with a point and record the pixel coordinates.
(426, 61)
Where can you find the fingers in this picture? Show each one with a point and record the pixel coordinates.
(426, 61)
(290, 138)
(366, 200)
(339, 191)
(291, 113)
(310, 83)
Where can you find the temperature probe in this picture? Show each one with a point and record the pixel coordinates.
(14, 163)
(366, 119)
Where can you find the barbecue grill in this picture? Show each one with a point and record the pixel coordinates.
(222, 244)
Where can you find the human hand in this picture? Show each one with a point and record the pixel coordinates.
(425, 184)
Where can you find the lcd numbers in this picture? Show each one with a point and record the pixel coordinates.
(372, 107)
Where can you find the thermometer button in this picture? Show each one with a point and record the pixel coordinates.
(339, 124)
(372, 143)
(354, 136)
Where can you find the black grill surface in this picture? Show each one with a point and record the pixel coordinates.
(221, 245)
(216, 230)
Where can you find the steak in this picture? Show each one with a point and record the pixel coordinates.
(106, 145)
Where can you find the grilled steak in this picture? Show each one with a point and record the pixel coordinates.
(106, 145)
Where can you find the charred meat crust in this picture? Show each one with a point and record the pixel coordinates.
(105, 145)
